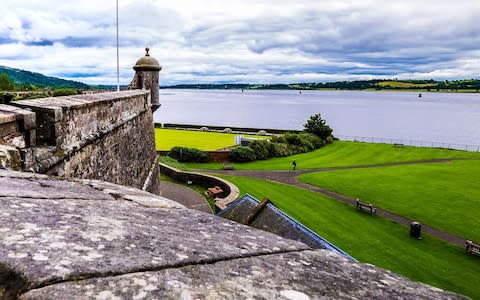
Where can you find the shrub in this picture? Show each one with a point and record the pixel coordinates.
(280, 139)
(243, 154)
(292, 138)
(281, 150)
(64, 92)
(263, 149)
(227, 130)
(5, 98)
(204, 128)
(312, 141)
(183, 154)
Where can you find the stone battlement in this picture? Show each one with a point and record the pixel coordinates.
(107, 136)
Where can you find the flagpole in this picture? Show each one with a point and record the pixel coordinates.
(118, 57)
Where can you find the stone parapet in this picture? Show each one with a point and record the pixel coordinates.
(106, 136)
(17, 134)
(67, 122)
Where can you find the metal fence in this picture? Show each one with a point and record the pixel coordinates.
(409, 142)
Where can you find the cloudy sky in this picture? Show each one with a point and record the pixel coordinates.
(254, 41)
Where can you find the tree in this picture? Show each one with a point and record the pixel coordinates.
(319, 127)
(5, 83)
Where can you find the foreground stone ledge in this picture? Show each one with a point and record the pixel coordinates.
(88, 239)
(316, 274)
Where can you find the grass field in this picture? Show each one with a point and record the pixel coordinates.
(166, 139)
(400, 84)
(373, 239)
(445, 196)
(342, 153)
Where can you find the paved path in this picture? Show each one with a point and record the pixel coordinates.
(185, 196)
(290, 177)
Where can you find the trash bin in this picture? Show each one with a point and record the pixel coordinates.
(416, 230)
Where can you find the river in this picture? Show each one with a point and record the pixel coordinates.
(435, 117)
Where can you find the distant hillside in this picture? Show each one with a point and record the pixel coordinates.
(21, 77)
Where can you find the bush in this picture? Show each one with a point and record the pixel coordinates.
(6, 98)
(183, 154)
(64, 92)
(242, 154)
(263, 149)
(281, 150)
(280, 139)
(292, 138)
(227, 130)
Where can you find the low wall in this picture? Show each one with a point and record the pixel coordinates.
(106, 136)
(212, 156)
(222, 128)
(230, 191)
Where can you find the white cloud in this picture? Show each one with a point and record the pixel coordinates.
(244, 41)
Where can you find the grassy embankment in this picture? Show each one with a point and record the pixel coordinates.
(166, 139)
(373, 239)
(341, 154)
(445, 196)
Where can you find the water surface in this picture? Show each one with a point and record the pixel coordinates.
(438, 117)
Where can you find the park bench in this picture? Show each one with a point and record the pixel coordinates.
(214, 191)
(398, 145)
(366, 207)
(227, 166)
(472, 248)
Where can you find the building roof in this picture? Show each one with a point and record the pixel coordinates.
(272, 219)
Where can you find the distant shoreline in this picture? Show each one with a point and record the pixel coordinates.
(422, 86)
(329, 89)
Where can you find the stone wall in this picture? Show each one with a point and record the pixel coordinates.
(107, 136)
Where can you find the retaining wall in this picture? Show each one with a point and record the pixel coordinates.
(230, 191)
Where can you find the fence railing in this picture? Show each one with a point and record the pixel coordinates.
(410, 142)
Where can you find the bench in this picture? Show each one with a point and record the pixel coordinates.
(227, 166)
(214, 191)
(472, 248)
(398, 145)
(366, 207)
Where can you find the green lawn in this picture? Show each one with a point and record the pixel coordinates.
(166, 139)
(342, 153)
(445, 196)
(373, 239)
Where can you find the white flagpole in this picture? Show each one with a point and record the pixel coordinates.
(118, 57)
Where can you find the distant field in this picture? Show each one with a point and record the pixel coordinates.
(342, 153)
(373, 239)
(166, 139)
(400, 84)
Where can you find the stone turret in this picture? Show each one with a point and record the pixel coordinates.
(146, 77)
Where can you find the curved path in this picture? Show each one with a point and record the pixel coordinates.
(185, 196)
(290, 177)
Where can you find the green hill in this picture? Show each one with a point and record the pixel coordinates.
(21, 77)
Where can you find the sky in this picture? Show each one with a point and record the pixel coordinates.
(247, 41)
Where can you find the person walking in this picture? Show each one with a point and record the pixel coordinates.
(294, 164)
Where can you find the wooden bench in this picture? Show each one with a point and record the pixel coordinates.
(214, 191)
(366, 207)
(472, 248)
(227, 166)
